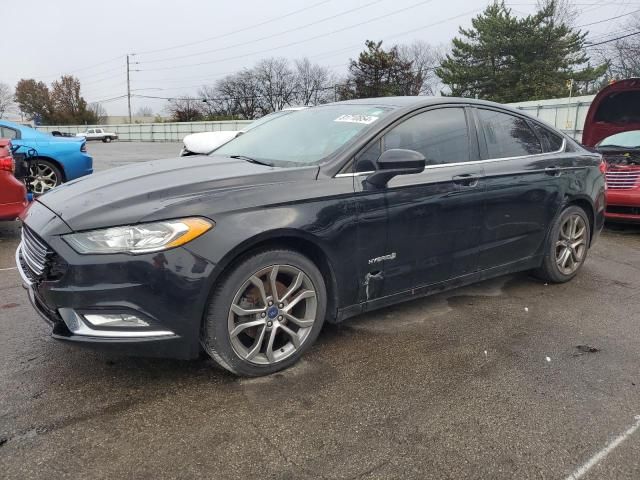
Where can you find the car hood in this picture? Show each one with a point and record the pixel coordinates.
(206, 142)
(161, 189)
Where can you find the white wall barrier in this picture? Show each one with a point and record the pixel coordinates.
(153, 132)
(566, 114)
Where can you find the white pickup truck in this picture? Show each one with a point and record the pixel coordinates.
(98, 134)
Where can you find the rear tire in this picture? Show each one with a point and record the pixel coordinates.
(567, 246)
(251, 331)
(43, 176)
(106, 139)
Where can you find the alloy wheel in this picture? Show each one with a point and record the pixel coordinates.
(571, 246)
(43, 178)
(272, 314)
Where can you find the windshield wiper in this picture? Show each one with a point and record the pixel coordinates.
(251, 160)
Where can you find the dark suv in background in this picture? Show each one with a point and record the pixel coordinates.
(316, 216)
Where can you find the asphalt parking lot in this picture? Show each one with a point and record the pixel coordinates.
(483, 382)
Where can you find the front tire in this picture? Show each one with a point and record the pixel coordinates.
(265, 313)
(567, 246)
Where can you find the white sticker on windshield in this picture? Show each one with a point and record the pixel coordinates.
(364, 119)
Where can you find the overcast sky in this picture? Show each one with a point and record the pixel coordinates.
(90, 39)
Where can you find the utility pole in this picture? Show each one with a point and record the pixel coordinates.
(128, 89)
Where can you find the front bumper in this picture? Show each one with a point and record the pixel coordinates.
(168, 290)
(623, 205)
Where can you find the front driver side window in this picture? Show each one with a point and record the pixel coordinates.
(441, 135)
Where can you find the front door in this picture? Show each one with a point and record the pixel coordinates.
(422, 229)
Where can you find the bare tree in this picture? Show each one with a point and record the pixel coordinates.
(240, 94)
(565, 11)
(313, 83)
(144, 112)
(210, 107)
(424, 59)
(623, 56)
(276, 83)
(185, 109)
(6, 98)
(99, 112)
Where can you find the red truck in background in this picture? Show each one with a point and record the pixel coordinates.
(13, 193)
(612, 127)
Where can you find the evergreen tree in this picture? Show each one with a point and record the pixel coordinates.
(381, 73)
(509, 59)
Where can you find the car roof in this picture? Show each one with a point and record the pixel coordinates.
(7, 123)
(410, 102)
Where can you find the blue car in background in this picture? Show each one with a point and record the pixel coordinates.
(52, 160)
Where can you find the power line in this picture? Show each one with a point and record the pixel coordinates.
(612, 39)
(273, 35)
(106, 100)
(119, 57)
(349, 27)
(400, 34)
(608, 19)
(253, 97)
(331, 52)
(250, 27)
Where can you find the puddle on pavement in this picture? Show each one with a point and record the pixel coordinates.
(295, 384)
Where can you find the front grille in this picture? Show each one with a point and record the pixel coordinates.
(34, 254)
(626, 179)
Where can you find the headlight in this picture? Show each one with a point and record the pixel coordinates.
(143, 238)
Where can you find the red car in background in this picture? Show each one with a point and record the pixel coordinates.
(13, 193)
(612, 127)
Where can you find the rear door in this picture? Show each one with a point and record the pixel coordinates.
(523, 180)
(432, 220)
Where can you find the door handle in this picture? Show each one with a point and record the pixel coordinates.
(466, 179)
(553, 171)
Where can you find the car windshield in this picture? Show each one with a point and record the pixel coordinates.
(267, 118)
(305, 138)
(629, 139)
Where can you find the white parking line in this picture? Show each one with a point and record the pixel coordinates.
(10, 268)
(593, 461)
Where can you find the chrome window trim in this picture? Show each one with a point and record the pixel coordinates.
(358, 174)
(562, 149)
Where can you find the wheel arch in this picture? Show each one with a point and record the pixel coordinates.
(301, 242)
(586, 205)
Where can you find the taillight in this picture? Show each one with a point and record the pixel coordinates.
(7, 164)
(83, 147)
(603, 166)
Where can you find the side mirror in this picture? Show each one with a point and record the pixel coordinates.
(396, 162)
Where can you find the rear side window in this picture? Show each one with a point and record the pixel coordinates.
(8, 133)
(507, 135)
(440, 135)
(552, 142)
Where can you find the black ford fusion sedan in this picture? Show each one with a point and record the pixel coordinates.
(316, 216)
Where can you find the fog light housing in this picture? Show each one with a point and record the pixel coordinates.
(111, 325)
(115, 320)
